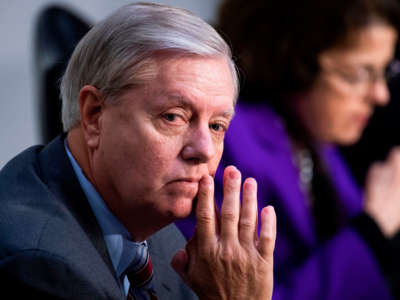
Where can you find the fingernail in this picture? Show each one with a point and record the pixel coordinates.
(234, 173)
(267, 217)
(207, 180)
(269, 210)
(250, 183)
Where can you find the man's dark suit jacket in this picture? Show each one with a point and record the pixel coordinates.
(51, 245)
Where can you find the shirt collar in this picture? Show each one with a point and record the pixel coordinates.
(121, 248)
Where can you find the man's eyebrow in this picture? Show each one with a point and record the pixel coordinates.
(188, 103)
(179, 99)
(228, 113)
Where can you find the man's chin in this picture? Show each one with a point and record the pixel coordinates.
(183, 207)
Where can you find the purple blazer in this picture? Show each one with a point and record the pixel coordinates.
(343, 267)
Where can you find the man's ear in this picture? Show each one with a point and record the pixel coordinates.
(91, 108)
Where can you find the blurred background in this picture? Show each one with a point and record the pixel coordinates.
(22, 60)
(37, 39)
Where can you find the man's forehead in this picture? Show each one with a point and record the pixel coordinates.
(213, 64)
(190, 85)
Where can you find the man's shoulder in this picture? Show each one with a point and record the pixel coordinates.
(20, 184)
(21, 167)
(29, 208)
(25, 171)
(43, 215)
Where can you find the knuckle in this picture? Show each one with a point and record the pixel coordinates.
(237, 262)
(228, 215)
(203, 216)
(266, 238)
(227, 255)
(246, 224)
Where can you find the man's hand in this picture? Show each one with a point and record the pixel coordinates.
(225, 259)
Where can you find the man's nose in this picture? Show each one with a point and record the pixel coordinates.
(199, 145)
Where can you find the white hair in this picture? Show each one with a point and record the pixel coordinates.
(114, 54)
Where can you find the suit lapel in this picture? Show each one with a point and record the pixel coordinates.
(62, 181)
(162, 247)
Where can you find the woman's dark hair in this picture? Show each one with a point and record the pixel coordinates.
(276, 45)
(277, 42)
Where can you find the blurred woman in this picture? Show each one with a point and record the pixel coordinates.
(313, 71)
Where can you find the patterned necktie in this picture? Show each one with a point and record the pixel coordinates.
(140, 279)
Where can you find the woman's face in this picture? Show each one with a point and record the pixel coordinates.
(350, 84)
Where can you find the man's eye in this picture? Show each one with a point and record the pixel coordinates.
(218, 127)
(174, 118)
(170, 117)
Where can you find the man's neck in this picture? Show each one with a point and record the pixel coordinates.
(78, 149)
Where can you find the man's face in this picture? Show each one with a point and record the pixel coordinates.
(161, 138)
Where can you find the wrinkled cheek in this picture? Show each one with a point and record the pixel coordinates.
(150, 159)
(213, 165)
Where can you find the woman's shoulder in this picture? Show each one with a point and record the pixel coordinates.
(257, 125)
(256, 111)
(257, 141)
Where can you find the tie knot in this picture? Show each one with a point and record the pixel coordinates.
(141, 275)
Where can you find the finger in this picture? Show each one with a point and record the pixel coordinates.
(205, 211)
(231, 204)
(382, 172)
(394, 154)
(393, 162)
(217, 218)
(179, 263)
(248, 212)
(373, 172)
(266, 242)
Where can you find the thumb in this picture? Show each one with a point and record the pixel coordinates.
(179, 263)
